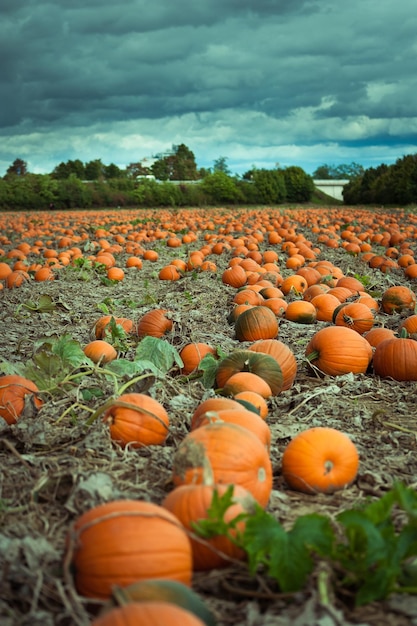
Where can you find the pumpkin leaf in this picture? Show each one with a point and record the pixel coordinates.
(159, 353)
(208, 365)
(45, 304)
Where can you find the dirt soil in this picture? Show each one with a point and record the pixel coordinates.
(54, 468)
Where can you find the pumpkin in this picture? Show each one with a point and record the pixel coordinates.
(100, 351)
(261, 364)
(278, 306)
(282, 354)
(301, 311)
(18, 396)
(161, 590)
(169, 272)
(253, 398)
(156, 613)
(396, 358)
(138, 420)
(234, 276)
(101, 326)
(120, 542)
(155, 323)
(337, 350)
(246, 381)
(218, 403)
(320, 460)
(242, 417)
(398, 298)
(192, 354)
(190, 503)
(351, 283)
(409, 324)
(376, 335)
(325, 305)
(258, 322)
(354, 315)
(294, 284)
(228, 454)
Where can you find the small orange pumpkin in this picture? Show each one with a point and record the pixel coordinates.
(100, 351)
(155, 323)
(354, 315)
(258, 322)
(138, 420)
(301, 311)
(192, 354)
(398, 298)
(246, 381)
(18, 394)
(242, 417)
(101, 326)
(320, 460)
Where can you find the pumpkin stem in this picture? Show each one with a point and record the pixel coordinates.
(313, 356)
(120, 597)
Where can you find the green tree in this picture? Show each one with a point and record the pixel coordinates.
(269, 185)
(179, 165)
(219, 187)
(17, 168)
(70, 168)
(299, 185)
(220, 165)
(112, 171)
(94, 170)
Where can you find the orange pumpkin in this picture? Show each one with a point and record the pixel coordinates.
(100, 351)
(409, 324)
(190, 503)
(336, 350)
(301, 311)
(320, 460)
(155, 323)
(398, 298)
(101, 326)
(228, 454)
(135, 540)
(192, 354)
(151, 613)
(242, 417)
(258, 322)
(18, 395)
(376, 335)
(354, 315)
(234, 276)
(246, 381)
(217, 403)
(253, 398)
(138, 420)
(283, 355)
(262, 365)
(396, 358)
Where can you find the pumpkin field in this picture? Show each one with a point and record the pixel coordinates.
(208, 416)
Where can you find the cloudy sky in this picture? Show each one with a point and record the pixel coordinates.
(260, 82)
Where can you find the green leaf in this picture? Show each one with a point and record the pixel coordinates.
(366, 545)
(159, 353)
(208, 365)
(215, 525)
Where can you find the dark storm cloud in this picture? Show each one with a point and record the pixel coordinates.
(222, 75)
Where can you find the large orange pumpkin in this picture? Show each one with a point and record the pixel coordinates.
(398, 298)
(138, 420)
(396, 358)
(155, 323)
(124, 541)
(320, 460)
(336, 350)
(192, 354)
(18, 394)
(228, 454)
(258, 322)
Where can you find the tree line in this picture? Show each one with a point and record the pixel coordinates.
(173, 179)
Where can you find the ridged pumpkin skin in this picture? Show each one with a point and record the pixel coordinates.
(192, 354)
(246, 381)
(242, 417)
(398, 298)
(396, 358)
(190, 503)
(124, 541)
(376, 335)
(229, 454)
(259, 322)
(146, 423)
(336, 350)
(354, 315)
(282, 354)
(154, 323)
(261, 364)
(148, 614)
(320, 460)
(15, 393)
